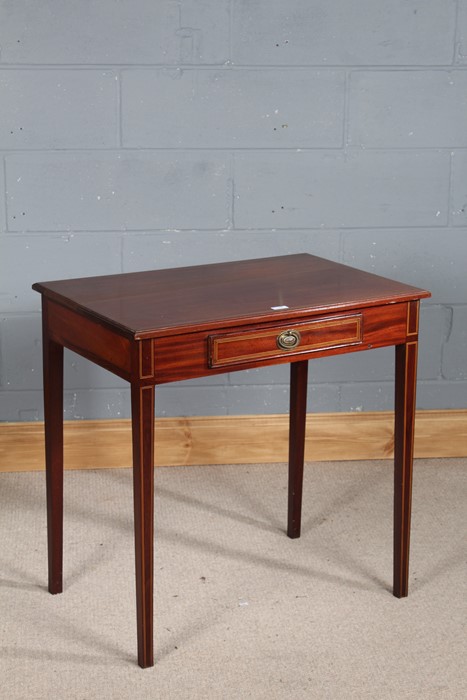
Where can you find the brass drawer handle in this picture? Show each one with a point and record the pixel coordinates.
(287, 340)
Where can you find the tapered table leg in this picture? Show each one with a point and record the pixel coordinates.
(298, 390)
(142, 407)
(406, 375)
(52, 355)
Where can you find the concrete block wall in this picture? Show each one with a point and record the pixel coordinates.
(137, 134)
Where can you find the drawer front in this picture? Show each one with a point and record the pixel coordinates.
(284, 341)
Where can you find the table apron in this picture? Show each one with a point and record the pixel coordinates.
(189, 356)
(90, 339)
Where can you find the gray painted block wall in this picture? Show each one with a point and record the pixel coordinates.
(139, 134)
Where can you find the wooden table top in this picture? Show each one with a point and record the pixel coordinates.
(187, 299)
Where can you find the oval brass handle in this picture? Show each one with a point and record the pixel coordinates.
(287, 340)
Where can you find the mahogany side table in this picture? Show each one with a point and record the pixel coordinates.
(169, 325)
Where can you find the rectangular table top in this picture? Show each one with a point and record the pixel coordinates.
(187, 299)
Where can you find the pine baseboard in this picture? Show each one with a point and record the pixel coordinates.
(234, 440)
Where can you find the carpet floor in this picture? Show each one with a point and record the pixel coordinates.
(240, 610)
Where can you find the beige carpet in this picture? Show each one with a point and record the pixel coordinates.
(241, 611)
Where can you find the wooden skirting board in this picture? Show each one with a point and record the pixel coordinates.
(234, 440)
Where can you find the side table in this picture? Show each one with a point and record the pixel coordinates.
(169, 325)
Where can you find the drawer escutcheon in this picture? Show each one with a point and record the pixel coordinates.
(287, 340)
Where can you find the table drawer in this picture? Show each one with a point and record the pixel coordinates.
(284, 341)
